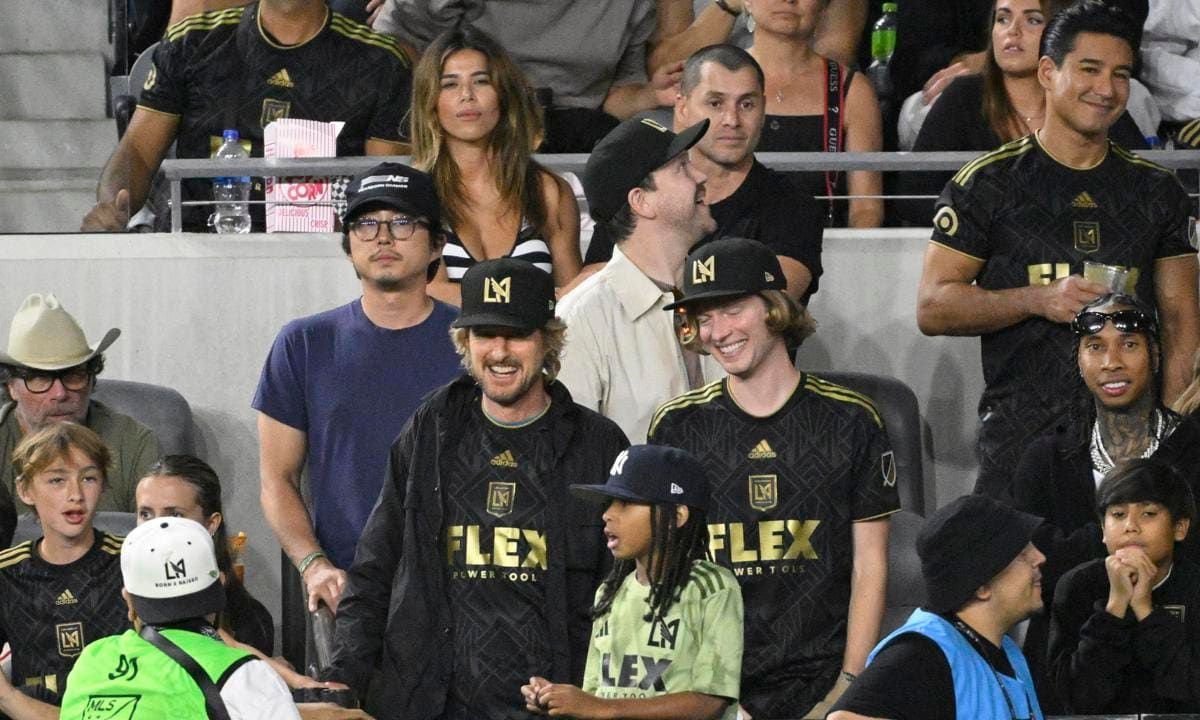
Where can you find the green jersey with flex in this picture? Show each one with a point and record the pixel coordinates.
(695, 647)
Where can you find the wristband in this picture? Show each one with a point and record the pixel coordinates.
(725, 6)
(308, 560)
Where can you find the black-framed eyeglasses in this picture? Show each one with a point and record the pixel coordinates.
(40, 381)
(401, 227)
(1126, 321)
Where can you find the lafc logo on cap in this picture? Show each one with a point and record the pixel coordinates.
(656, 125)
(704, 270)
(497, 291)
(175, 570)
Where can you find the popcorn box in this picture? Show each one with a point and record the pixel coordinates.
(300, 204)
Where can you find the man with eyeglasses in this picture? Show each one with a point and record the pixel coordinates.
(338, 386)
(49, 371)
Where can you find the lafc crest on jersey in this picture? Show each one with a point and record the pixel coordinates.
(764, 492)
(500, 498)
(70, 638)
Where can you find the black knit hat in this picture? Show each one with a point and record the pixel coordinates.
(967, 543)
(506, 292)
(727, 268)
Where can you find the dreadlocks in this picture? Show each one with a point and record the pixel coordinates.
(673, 548)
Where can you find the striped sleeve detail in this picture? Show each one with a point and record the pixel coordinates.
(204, 21)
(842, 394)
(364, 34)
(698, 396)
(111, 544)
(956, 250)
(710, 578)
(16, 554)
(1012, 149)
(1130, 157)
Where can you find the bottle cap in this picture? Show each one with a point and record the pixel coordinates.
(231, 134)
(890, 7)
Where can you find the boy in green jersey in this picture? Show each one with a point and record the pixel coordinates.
(667, 624)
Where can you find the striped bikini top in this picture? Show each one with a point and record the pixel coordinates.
(528, 247)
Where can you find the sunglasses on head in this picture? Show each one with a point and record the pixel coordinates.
(1126, 321)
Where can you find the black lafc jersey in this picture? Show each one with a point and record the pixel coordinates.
(495, 542)
(222, 70)
(48, 613)
(786, 492)
(1033, 220)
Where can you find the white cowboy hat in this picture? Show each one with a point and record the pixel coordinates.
(44, 336)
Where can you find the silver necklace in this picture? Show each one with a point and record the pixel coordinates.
(1103, 462)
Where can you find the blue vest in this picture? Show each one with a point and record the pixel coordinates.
(977, 694)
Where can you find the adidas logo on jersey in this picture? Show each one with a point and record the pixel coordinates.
(281, 79)
(505, 460)
(67, 598)
(1085, 201)
(762, 451)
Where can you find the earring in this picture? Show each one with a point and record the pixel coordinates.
(750, 24)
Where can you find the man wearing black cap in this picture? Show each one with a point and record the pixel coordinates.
(623, 359)
(952, 658)
(476, 568)
(338, 386)
(806, 534)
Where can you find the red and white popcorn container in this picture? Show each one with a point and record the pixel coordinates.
(300, 204)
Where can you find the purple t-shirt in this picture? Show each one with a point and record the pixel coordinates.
(351, 386)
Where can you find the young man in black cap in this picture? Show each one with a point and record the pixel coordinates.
(806, 535)
(337, 387)
(952, 658)
(623, 359)
(476, 568)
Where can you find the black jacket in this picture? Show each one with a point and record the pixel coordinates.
(1104, 664)
(393, 636)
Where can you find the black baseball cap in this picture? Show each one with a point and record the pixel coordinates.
(727, 268)
(967, 543)
(508, 293)
(657, 474)
(625, 156)
(399, 187)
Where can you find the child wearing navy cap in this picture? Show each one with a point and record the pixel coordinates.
(667, 624)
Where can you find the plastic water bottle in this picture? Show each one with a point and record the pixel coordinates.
(883, 46)
(231, 213)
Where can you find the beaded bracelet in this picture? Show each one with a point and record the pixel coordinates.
(308, 560)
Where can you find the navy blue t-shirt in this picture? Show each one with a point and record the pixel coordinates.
(351, 386)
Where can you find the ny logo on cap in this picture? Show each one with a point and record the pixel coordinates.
(704, 270)
(497, 291)
(175, 570)
(619, 464)
(651, 123)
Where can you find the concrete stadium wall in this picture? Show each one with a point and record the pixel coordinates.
(198, 313)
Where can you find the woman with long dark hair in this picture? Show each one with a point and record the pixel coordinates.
(475, 125)
(1001, 104)
(186, 486)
